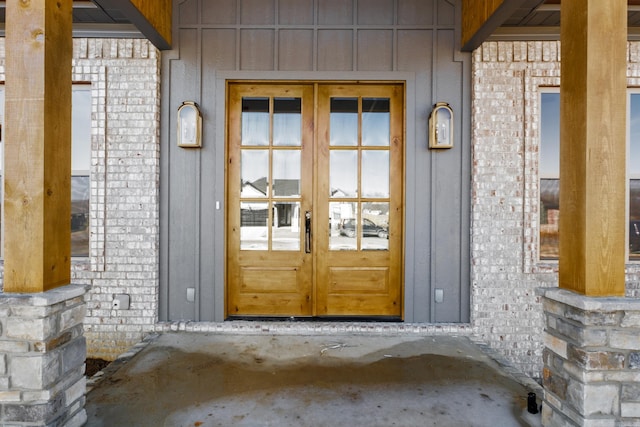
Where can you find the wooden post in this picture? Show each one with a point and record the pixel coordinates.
(37, 198)
(593, 212)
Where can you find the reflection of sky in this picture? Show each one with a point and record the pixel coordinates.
(343, 163)
(344, 129)
(286, 164)
(634, 136)
(80, 127)
(255, 165)
(375, 129)
(375, 173)
(550, 135)
(344, 171)
(255, 128)
(375, 164)
(79, 188)
(286, 129)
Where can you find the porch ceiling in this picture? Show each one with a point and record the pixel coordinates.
(100, 18)
(540, 20)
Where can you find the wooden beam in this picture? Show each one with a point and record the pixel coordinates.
(151, 17)
(593, 212)
(37, 199)
(480, 18)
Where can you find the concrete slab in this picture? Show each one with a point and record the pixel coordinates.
(197, 379)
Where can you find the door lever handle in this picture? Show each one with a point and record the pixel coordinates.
(307, 232)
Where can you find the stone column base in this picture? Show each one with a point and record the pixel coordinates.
(591, 360)
(42, 357)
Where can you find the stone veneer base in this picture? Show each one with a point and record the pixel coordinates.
(591, 370)
(42, 357)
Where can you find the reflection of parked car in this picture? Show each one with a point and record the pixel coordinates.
(369, 228)
(634, 236)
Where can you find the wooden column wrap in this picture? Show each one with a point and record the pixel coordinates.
(593, 147)
(37, 199)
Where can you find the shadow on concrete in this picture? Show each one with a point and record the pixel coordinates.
(197, 379)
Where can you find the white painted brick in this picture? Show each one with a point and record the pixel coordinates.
(505, 133)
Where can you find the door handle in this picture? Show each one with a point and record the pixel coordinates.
(307, 232)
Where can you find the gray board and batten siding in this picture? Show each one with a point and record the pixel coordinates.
(414, 41)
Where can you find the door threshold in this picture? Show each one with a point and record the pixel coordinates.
(354, 319)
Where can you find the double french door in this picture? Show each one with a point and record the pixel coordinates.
(314, 199)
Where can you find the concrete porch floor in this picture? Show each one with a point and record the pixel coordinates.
(200, 379)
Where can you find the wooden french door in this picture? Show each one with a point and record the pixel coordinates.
(314, 199)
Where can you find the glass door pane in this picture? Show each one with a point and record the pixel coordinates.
(287, 121)
(271, 174)
(344, 121)
(255, 121)
(359, 155)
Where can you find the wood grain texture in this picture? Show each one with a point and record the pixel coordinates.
(266, 282)
(324, 282)
(158, 13)
(593, 147)
(475, 14)
(38, 148)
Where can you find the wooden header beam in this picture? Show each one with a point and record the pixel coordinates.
(37, 184)
(481, 18)
(151, 17)
(593, 93)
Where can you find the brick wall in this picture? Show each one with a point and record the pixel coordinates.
(506, 312)
(125, 165)
(125, 155)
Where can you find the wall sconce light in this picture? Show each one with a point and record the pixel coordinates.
(441, 126)
(189, 125)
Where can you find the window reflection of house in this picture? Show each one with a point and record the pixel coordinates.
(256, 214)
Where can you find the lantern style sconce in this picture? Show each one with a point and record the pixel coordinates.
(441, 126)
(189, 125)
